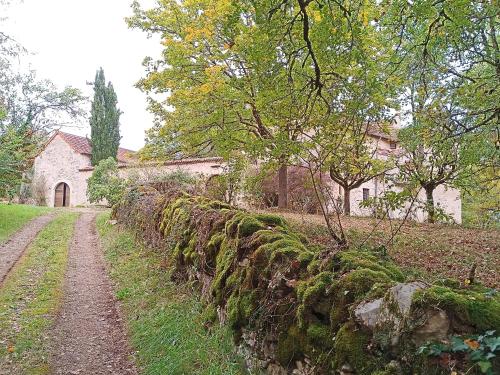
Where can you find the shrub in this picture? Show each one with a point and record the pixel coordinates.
(164, 181)
(262, 190)
(105, 183)
(39, 188)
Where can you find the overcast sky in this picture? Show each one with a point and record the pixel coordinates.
(71, 39)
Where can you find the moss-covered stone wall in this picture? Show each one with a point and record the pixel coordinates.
(297, 307)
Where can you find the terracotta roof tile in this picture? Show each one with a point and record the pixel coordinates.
(215, 159)
(82, 146)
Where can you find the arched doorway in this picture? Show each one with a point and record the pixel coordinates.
(61, 198)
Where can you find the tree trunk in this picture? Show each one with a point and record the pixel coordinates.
(283, 187)
(347, 202)
(430, 204)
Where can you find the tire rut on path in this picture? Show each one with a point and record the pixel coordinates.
(14, 247)
(88, 336)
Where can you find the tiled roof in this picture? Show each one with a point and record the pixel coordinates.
(215, 159)
(82, 146)
(388, 132)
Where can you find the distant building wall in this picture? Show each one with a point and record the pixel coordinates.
(59, 163)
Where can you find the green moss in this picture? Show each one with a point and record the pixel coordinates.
(265, 236)
(209, 313)
(467, 306)
(268, 277)
(248, 226)
(351, 346)
(291, 345)
(189, 252)
(240, 308)
(351, 260)
(224, 262)
(355, 286)
(320, 335)
(269, 219)
(314, 302)
(359, 282)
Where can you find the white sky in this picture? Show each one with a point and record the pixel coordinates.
(71, 39)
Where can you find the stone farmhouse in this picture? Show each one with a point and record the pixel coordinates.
(384, 144)
(64, 166)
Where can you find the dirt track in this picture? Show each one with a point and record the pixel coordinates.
(88, 336)
(13, 249)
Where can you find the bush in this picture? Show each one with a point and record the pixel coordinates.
(165, 181)
(39, 189)
(105, 183)
(262, 190)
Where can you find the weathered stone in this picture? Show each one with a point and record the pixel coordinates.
(402, 294)
(392, 309)
(346, 369)
(368, 313)
(303, 368)
(435, 328)
(275, 369)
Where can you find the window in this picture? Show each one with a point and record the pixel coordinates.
(366, 194)
(393, 145)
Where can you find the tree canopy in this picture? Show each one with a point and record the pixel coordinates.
(104, 120)
(299, 80)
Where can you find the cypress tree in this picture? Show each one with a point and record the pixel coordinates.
(104, 120)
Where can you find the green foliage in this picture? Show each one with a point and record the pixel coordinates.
(480, 350)
(265, 103)
(104, 120)
(15, 151)
(105, 183)
(226, 186)
(481, 203)
(29, 109)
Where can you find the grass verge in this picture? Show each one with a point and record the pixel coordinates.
(165, 320)
(29, 298)
(14, 216)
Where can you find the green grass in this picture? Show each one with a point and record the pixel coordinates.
(14, 216)
(29, 298)
(165, 320)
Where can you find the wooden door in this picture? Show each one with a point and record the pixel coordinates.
(61, 198)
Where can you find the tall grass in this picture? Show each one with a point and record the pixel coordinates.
(14, 216)
(166, 321)
(30, 297)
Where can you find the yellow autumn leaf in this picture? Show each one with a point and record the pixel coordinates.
(473, 344)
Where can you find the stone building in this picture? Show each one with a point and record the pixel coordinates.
(62, 168)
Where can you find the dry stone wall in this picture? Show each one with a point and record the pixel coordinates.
(295, 308)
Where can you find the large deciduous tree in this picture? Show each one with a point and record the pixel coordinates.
(449, 58)
(460, 40)
(29, 110)
(240, 75)
(104, 120)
